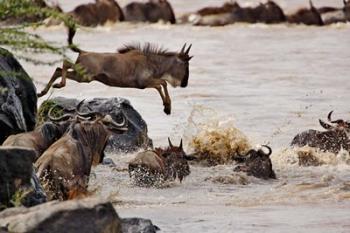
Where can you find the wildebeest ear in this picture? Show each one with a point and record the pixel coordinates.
(325, 125)
(170, 144)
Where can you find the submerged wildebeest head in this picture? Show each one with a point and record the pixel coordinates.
(42, 136)
(152, 11)
(306, 16)
(333, 140)
(256, 163)
(98, 13)
(131, 67)
(151, 167)
(64, 168)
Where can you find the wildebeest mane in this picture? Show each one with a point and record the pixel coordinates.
(50, 131)
(147, 49)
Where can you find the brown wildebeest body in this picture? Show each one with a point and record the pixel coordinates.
(346, 9)
(98, 13)
(306, 16)
(332, 140)
(151, 167)
(65, 166)
(257, 163)
(40, 139)
(271, 13)
(132, 67)
(152, 11)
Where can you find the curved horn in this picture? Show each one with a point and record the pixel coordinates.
(170, 144)
(180, 144)
(108, 119)
(340, 121)
(311, 4)
(188, 49)
(183, 48)
(61, 118)
(324, 124)
(329, 117)
(269, 148)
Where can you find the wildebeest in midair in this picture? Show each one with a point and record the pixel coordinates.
(131, 67)
(64, 168)
(306, 16)
(98, 13)
(154, 166)
(256, 163)
(151, 11)
(335, 138)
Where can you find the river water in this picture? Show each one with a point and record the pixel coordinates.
(270, 82)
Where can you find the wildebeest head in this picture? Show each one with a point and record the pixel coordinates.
(346, 9)
(176, 161)
(180, 69)
(307, 16)
(272, 13)
(256, 163)
(166, 9)
(339, 125)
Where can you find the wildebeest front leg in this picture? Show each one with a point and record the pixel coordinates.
(56, 75)
(167, 101)
(66, 65)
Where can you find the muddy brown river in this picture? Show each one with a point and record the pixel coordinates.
(270, 82)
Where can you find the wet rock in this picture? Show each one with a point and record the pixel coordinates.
(138, 225)
(135, 138)
(108, 162)
(16, 184)
(18, 98)
(88, 216)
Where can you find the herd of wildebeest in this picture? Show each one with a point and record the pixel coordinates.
(68, 145)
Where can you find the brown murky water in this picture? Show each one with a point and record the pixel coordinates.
(270, 82)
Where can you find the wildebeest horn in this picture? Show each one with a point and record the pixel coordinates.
(336, 121)
(324, 124)
(183, 48)
(61, 118)
(269, 148)
(86, 114)
(311, 4)
(329, 117)
(188, 49)
(180, 144)
(108, 119)
(170, 144)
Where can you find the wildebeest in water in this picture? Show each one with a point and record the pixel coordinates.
(64, 168)
(131, 67)
(335, 138)
(152, 11)
(256, 163)
(306, 16)
(154, 166)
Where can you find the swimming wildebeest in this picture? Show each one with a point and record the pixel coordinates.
(152, 167)
(64, 168)
(41, 137)
(98, 13)
(212, 16)
(333, 140)
(306, 16)
(131, 67)
(256, 163)
(335, 15)
(152, 11)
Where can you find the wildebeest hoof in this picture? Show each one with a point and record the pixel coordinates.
(167, 110)
(57, 85)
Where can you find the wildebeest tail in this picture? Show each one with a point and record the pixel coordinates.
(71, 33)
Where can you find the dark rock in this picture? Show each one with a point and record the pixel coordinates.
(79, 216)
(18, 98)
(138, 225)
(16, 173)
(109, 162)
(135, 138)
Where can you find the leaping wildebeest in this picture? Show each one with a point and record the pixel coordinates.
(154, 166)
(64, 168)
(131, 67)
(333, 140)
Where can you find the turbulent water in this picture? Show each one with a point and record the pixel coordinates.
(270, 82)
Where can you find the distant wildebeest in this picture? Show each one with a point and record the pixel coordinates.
(335, 15)
(306, 16)
(256, 163)
(152, 167)
(98, 13)
(333, 140)
(152, 11)
(41, 137)
(64, 168)
(212, 16)
(131, 67)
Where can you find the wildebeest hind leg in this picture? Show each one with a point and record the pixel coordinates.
(66, 65)
(56, 75)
